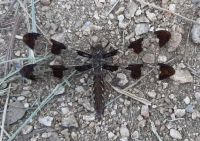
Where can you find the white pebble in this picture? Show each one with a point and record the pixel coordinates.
(151, 16)
(172, 7)
(197, 96)
(162, 58)
(182, 76)
(123, 79)
(120, 18)
(26, 105)
(124, 131)
(145, 111)
(120, 10)
(151, 94)
(47, 121)
(110, 135)
(46, 135)
(135, 135)
(179, 112)
(90, 117)
(141, 28)
(175, 134)
(20, 98)
(65, 110)
(196, 32)
(79, 89)
(187, 100)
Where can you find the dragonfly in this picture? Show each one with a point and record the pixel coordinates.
(99, 64)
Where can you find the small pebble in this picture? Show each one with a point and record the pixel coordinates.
(196, 32)
(60, 37)
(111, 16)
(175, 41)
(195, 114)
(145, 111)
(179, 112)
(74, 136)
(60, 90)
(26, 105)
(111, 135)
(17, 53)
(20, 98)
(142, 123)
(120, 18)
(124, 132)
(66, 134)
(182, 76)
(123, 79)
(79, 89)
(151, 16)
(141, 28)
(189, 109)
(27, 129)
(69, 122)
(65, 110)
(197, 96)
(96, 16)
(120, 10)
(132, 7)
(90, 117)
(175, 134)
(47, 121)
(162, 58)
(46, 135)
(138, 12)
(86, 104)
(151, 94)
(187, 100)
(135, 135)
(148, 58)
(122, 25)
(172, 8)
(45, 2)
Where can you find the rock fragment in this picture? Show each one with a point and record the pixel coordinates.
(123, 79)
(141, 28)
(197, 96)
(124, 132)
(182, 76)
(47, 121)
(148, 58)
(90, 117)
(179, 112)
(187, 100)
(145, 111)
(132, 7)
(175, 41)
(196, 32)
(27, 129)
(175, 134)
(151, 94)
(15, 112)
(69, 122)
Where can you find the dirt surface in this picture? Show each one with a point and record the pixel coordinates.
(174, 113)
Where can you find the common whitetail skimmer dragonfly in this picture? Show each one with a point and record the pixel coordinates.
(98, 64)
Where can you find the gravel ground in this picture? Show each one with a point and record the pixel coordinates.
(174, 113)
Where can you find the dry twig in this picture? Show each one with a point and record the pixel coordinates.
(4, 114)
(142, 100)
(112, 8)
(154, 130)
